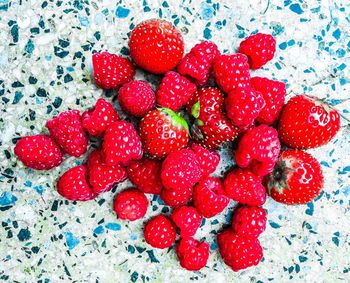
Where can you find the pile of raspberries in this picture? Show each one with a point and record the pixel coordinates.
(204, 99)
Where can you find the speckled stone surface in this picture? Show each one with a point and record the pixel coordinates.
(45, 53)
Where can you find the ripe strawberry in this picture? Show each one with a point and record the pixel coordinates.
(102, 177)
(156, 46)
(177, 196)
(187, 219)
(260, 48)
(163, 131)
(258, 150)
(130, 204)
(307, 122)
(208, 160)
(209, 198)
(67, 130)
(180, 169)
(239, 252)
(73, 184)
(160, 232)
(193, 255)
(38, 152)
(196, 65)
(231, 71)
(249, 221)
(111, 71)
(137, 98)
(145, 174)
(121, 144)
(96, 120)
(273, 93)
(243, 105)
(296, 179)
(174, 91)
(243, 186)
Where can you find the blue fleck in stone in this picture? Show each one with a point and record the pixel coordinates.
(29, 47)
(346, 191)
(296, 9)
(98, 19)
(122, 12)
(14, 32)
(152, 256)
(340, 53)
(71, 240)
(28, 183)
(165, 4)
(48, 57)
(133, 236)
(24, 235)
(4, 5)
(207, 33)
(39, 189)
(84, 21)
(274, 224)
(134, 276)
(336, 34)
(18, 97)
(214, 246)
(278, 66)
(38, 100)
(342, 81)
(310, 209)
(291, 42)
(206, 11)
(283, 46)
(335, 239)
(325, 164)
(99, 230)
(302, 258)
(7, 199)
(113, 226)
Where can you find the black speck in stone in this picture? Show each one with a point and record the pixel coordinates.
(41, 23)
(59, 3)
(32, 80)
(54, 205)
(35, 30)
(68, 78)
(9, 234)
(11, 22)
(32, 115)
(60, 236)
(4, 224)
(59, 71)
(77, 101)
(77, 55)
(78, 4)
(7, 153)
(62, 225)
(32, 127)
(59, 52)
(18, 97)
(5, 99)
(86, 47)
(35, 249)
(48, 109)
(140, 249)
(125, 51)
(101, 201)
(44, 5)
(17, 84)
(101, 221)
(110, 93)
(97, 35)
(24, 235)
(63, 43)
(14, 32)
(9, 172)
(41, 92)
(85, 80)
(134, 276)
(165, 209)
(57, 102)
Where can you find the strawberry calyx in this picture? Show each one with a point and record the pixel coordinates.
(277, 179)
(175, 118)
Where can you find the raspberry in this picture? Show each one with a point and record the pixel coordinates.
(160, 232)
(187, 219)
(193, 255)
(208, 159)
(176, 197)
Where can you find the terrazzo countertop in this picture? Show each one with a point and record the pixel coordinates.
(45, 54)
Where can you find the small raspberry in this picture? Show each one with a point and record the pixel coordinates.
(160, 232)
(208, 159)
(187, 219)
(176, 197)
(193, 255)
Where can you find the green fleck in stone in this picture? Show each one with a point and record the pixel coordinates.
(18, 97)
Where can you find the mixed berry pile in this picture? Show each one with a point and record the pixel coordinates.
(204, 99)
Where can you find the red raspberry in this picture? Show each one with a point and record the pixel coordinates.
(258, 150)
(145, 174)
(239, 252)
(130, 204)
(208, 159)
(209, 198)
(187, 219)
(176, 197)
(243, 186)
(197, 63)
(249, 221)
(121, 144)
(156, 46)
(174, 91)
(260, 48)
(274, 93)
(73, 184)
(67, 130)
(193, 255)
(231, 71)
(137, 98)
(160, 232)
(111, 71)
(96, 120)
(38, 152)
(180, 169)
(243, 106)
(102, 177)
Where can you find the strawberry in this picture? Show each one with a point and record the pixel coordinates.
(239, 252)
(273, 93)
(231, 71)
(249, 221)
(156, 46)
(243, 105)
(209, 198)
(111, 71)
(96, 120)
(145, 174)
(160, 232)
(121, 144)
(260, 49)
(196, 65)
(73, 184)
(102, 177)
(258, 150)
(137, 98)
(180, 169)
(296, 179)
(208, 160)
(67, 130)
(243, 186)
(163, 131)
(187, 219)
(38, 152)
(307, 122)
(177, 196)
(192, 254)
(211, 127)
(174, 91)
(130, 204)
